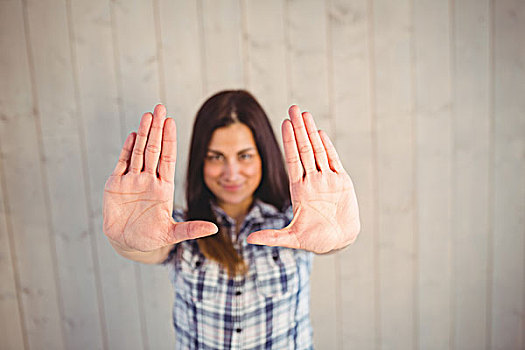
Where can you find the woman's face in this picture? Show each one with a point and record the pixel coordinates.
(232, 167)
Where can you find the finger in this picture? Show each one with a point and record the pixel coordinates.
(303, 142)
(137, 157)
(125, 155)
(317, 145)
(333, 157)
(168, 155)
(182, 231)
(281, 238)
(291, 154)
(154, 140)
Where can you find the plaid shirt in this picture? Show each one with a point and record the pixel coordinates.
(266, 309)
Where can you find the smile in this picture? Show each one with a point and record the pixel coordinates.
(232, 188)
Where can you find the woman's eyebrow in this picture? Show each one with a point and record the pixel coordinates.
(246, 150)
(241, 151)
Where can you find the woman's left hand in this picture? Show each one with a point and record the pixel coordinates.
(326, 214)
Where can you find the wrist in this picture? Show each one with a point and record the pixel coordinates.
(150, 257)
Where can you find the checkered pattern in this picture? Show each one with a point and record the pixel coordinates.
(266, 309)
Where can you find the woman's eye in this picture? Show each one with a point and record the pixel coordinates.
(214, 157)
(246, 156)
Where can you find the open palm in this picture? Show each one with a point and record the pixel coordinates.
(138, 196)
(326, 214)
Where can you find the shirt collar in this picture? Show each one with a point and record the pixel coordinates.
(258, 211)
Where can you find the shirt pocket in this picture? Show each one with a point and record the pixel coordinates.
(276, 272)
(200, 276)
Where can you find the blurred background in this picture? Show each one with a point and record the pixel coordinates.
(423, 98)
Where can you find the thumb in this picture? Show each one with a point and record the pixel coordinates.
(282, 238)
(182, 231)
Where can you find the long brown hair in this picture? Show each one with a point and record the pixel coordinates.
(220, 110)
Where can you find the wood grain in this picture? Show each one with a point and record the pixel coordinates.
(507, 322)
(395, 147)
(470, 223)
(434, 179)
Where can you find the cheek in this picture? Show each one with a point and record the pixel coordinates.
(211, 171)
(254, 171)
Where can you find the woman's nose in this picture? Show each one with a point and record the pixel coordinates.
(231, 169)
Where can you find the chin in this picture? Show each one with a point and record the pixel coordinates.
(232, 199)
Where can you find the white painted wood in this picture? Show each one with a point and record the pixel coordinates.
(22, 174)
(307, 41)
(58, 113)
(434, 155)
(394, 143)
(11, 331)
(101, 128)
(138, 62)
(183, 76)
(306, 33)
(471, 189)
(265, 48)
(157, 303)
(351, 101)
(91, 68)
(223, 52)
(508, 210)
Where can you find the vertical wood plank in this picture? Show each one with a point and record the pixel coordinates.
(266, 58)
(471, 174)
(184, 76)
(157, 304)
(395, 162)
(58, 111)
(33, 246)
(138, 60)
(349, 23)
(307, 40)
(433, 169)
(508, 284)
(138, 64)
(223, 52)
(11, 331)
(178, 34)
(91, 24)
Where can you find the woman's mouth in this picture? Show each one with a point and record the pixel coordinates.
(231, 188)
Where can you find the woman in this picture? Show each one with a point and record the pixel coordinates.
(239, 264)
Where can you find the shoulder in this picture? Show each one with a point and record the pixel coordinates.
(267, 210)
(288, 214)
(267, 216)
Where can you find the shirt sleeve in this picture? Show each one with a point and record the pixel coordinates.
(288, 213)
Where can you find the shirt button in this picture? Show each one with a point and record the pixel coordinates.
(238, 330)
(238, 292)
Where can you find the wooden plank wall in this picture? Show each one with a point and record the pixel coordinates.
(424, 100)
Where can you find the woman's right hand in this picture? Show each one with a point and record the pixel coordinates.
(138, 195)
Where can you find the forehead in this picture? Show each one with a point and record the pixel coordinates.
(232, 137)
